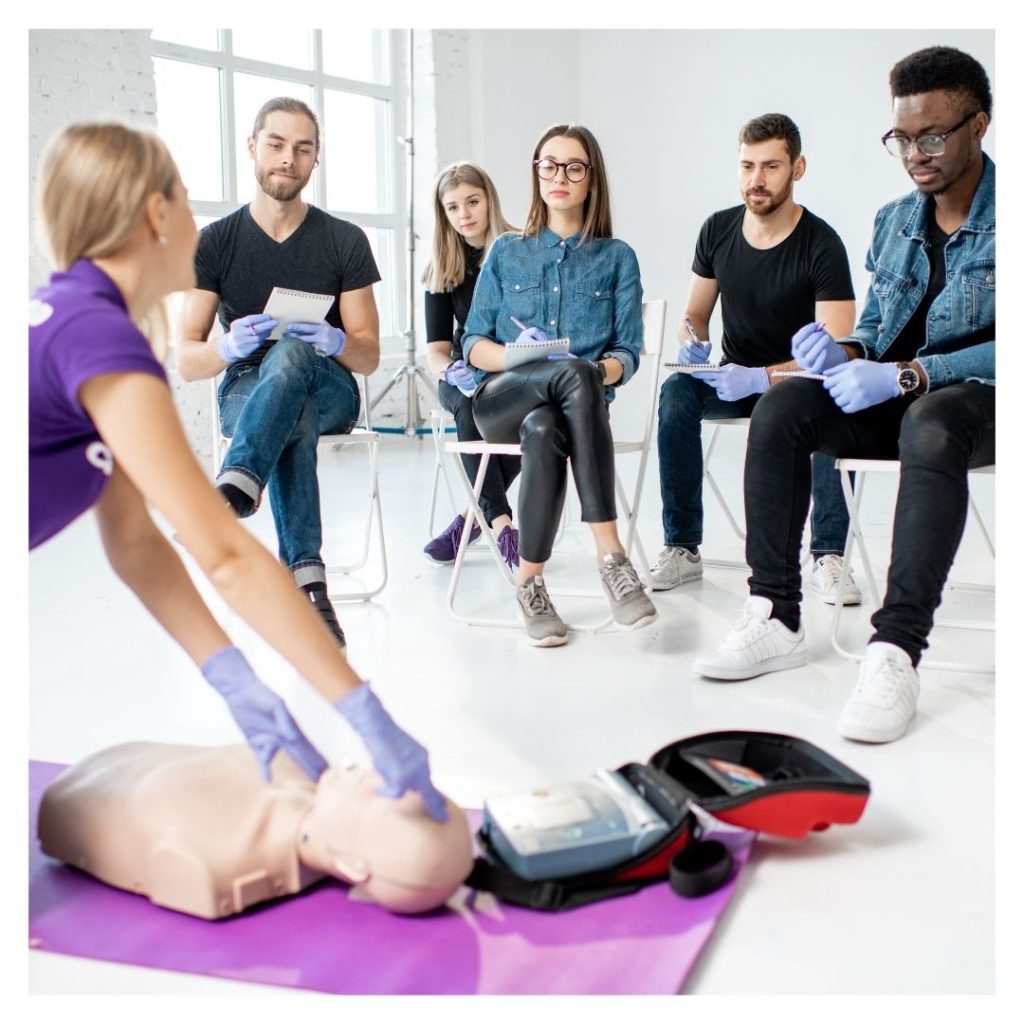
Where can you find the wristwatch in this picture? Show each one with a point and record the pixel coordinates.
(909, 380)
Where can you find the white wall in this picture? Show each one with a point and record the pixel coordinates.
(666, 106)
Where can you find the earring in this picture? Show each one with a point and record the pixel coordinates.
(162, 239)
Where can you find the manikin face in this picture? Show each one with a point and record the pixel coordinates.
(934, 113)
(466, 208)
(560, 193)
(284, 154)
(767, 175)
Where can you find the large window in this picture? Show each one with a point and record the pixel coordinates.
(210, 83)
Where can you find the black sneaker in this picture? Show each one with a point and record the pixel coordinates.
(317, 594)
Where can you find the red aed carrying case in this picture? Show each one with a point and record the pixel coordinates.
(762, 781)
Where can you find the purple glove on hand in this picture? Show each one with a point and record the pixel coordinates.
(327, 340)
(397, 757)
(694, 352)
(733, 382)
(861, 383)
(260, 713)
(460, 376)
(530, 334)
(815, 350)
(244, 336)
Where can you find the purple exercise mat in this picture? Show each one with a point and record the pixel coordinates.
(320, 939)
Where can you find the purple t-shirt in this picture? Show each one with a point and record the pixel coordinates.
(78, 328)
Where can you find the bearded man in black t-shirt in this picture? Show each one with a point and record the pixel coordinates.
(284, 384)
(776, 266)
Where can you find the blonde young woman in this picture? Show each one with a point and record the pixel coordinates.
(467, 219)
(565, 276)
(104, 434)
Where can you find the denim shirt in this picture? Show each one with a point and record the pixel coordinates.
(589, 292)
(898, 262)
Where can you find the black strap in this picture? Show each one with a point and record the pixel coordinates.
(700, 868)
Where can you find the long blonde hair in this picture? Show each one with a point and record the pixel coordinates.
(94, 181)
(597, 207)
(447, 266)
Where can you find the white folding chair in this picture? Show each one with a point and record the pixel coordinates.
(360, 437)
(440, 422)
(709, 451)
(653, 340)
(853, 495)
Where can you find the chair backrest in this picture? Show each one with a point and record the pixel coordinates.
(653, 314)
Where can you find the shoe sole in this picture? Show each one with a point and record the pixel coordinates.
(861, 735)
(645, 620)
(848, 599)
(447, 561)
(545, 641)
(776, 664)
(689, 578)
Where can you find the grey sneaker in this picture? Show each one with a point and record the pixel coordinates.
(544, 627)
(631, 607)
(674, 567)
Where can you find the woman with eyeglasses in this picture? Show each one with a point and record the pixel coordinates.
(565, 276)
(104, 434)
(467, 219)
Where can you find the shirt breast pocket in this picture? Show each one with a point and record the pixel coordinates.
(979, 282)
(522, 299)
(595, 299)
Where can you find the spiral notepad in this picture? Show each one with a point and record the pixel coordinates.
(694, 367)
(288, 306)
(518, 353)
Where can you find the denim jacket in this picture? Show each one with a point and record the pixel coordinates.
(898, 262)
(587, 291)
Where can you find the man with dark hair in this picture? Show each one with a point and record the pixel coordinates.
(775, 265)
(914, 381)
(284, 384)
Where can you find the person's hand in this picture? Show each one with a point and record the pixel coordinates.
(528, 334)
(459, 375)
(861, 383)
(399, 760)
(815, 350)
(244, 336)
(327, 340)
(260, 713)
(694, 352)
(733, 382)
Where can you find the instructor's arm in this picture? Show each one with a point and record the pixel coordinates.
(197, 358)
(358, 309)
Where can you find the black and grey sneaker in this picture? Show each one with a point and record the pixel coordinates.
(630, 605)
(318, 598)
(544, 627)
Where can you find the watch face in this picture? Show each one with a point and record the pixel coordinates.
(908, 380)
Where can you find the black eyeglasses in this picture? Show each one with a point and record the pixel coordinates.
(575, 170)
(932, 144)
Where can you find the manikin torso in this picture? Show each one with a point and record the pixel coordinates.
(198, 830)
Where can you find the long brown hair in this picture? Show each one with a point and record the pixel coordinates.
(447, 266)
(597, 207)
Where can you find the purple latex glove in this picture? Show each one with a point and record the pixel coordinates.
(733, 382)
(244, 336)
(694, 352)
(397, 757)
(567, 355)
(327, 340)
(861, 383)
(529, 334)
(815, 350)
(260, 713)
(460, 376)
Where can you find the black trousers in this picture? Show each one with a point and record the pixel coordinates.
(937, 437)
(501, 469)
(556, 410)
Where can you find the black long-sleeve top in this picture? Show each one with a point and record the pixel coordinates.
(446, 312)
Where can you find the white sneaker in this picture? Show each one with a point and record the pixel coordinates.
(825, 580)
(675, 566)
(884, 700)
(756, 644)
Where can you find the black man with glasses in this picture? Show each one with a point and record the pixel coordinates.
(915, 381)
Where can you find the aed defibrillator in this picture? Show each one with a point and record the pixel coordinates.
(611, 834)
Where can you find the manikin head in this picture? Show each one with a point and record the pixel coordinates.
(400, 856)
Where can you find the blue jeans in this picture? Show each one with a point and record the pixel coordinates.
(685, 402)
(275, 413)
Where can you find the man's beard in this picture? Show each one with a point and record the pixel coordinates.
(774, 202)
(277, 188)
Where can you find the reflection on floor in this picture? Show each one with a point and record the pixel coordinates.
(867, 908)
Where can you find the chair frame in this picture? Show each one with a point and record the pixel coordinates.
(360, 437)
(853, 495)
(654, 312)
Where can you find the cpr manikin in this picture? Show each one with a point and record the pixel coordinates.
(198, 830)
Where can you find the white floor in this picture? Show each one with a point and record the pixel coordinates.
(901, 902)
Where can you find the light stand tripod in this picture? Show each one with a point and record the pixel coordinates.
(409, 372)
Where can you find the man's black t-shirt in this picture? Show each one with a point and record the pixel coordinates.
(442, 308)
(239, 261)
(767, 295)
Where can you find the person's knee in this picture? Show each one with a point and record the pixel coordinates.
(929, 435)
(781, 411)
(289, 356)
(679, 399)
(542, 433)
